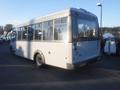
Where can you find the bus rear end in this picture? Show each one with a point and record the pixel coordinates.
(85, 34)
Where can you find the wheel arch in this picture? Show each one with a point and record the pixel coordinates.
(38, 52)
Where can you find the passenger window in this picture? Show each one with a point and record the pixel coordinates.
(19, 33)
(48, 30)
(60, 29)
(30, 33)
(38, 31)
(24, 33)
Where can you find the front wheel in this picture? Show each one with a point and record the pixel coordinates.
(39, 60)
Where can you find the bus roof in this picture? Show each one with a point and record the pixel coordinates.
(55, 15)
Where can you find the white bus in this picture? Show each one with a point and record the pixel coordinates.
(63, 39)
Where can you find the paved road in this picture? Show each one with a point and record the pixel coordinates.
(20, 74)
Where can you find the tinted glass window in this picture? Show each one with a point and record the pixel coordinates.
(30, 33)
(19, 33)
(48, 30)
(24, 33)
(38, 32)
(60, 29)
(85, 30)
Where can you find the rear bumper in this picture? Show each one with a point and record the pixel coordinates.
(81, 63)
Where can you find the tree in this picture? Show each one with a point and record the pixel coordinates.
(8, 28)
(1, 30)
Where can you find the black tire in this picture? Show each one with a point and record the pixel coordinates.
(39, 59)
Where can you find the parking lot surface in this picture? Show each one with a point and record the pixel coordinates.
(20, 74)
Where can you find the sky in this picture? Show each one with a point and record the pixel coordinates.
(20, 11)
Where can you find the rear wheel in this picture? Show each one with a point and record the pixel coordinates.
(39, 60)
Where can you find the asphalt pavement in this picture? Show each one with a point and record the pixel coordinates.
(21, 74)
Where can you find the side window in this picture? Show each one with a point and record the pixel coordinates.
(48, 30)
(44, 30)
(38, 32)
(24, 33)
(60, 29)
(19, 33)
(30, 33)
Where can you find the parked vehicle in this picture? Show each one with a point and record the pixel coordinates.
(63, 39)
(110, 44)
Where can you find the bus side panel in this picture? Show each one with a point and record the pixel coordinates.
(23, 49)
(56, 54)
